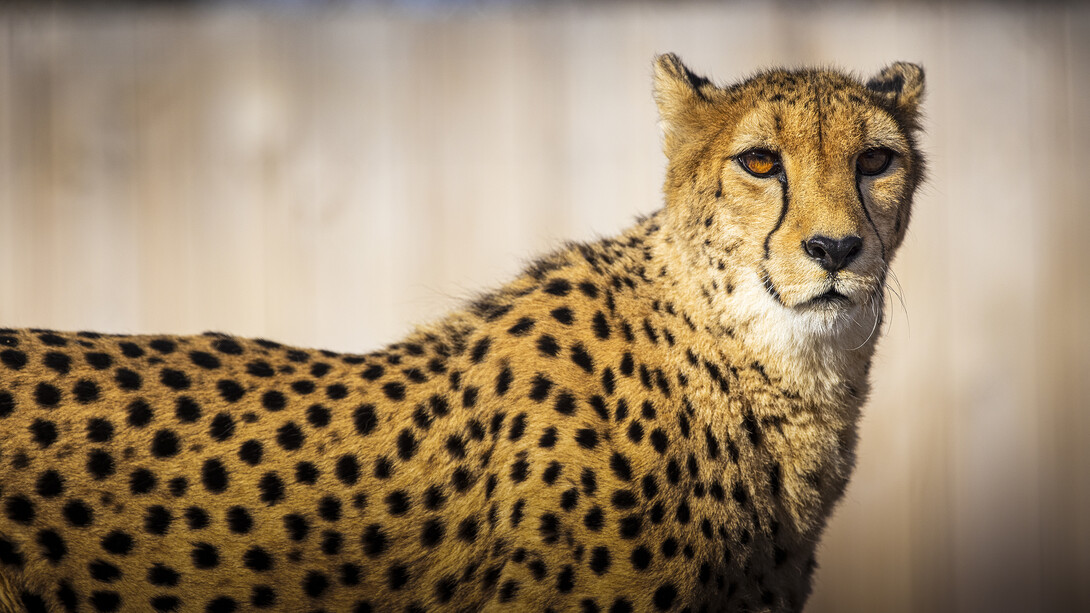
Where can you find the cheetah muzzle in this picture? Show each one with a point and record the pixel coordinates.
(659, 421)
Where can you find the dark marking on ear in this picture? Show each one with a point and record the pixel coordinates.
(866, 212)
(783, 211)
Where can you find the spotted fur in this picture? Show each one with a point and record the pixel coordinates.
(660, 421)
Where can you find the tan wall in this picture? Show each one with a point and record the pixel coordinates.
(327, 179)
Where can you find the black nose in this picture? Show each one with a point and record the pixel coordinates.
(833, 254)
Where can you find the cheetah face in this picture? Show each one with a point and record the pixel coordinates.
(794, 187)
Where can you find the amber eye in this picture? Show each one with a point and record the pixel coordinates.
(760, 163)
(874, 161)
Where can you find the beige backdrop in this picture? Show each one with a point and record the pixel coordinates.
(327, 179)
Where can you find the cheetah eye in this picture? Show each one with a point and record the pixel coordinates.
(760, 163)
(874, 161)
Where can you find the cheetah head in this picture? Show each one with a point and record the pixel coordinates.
(792, 190)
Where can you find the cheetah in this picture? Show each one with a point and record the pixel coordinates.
(658, 421)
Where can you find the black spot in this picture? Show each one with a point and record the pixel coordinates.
(332, 542)
(204, 359)
(521, 327)
(548, 438)
(394, 390)
(214, 476)
(272, 488)
(627, 366)
(351, 574)
(257, 559)
(565, 403)
(197, 518)
(467, 529)
(118, 543)
(406, 444)
(432, 533)
(163, 345)
(59, 362)
(581, 358)
(469, 397)
(53, 547)
(7, 404)
(664, 597)
(13, 359)
(480, 350)
(174, 379)
(303, 387)
(142, 481)
(85, 391)
(397, 576)
(589, 481)
(658, 440)
(50, 484)
(329, 508)
(398, 503)
(520, 469)
(539, 387)
(164, 444)
(383, 468)
(251, 452)
(587, 438)
(315, 584)
(624, 499)
(47, 395)
(239, 520)
(347, 469)
(336, 391)
(103, 571)
(78, 514)
(548, 346)
(289, 437)
(260, 368)
(9, 554)
(127, 379)
(557, 287)
(100, 464)
(178, 486)
(600, 325)
(157, 520)
(187, 410)
(222, 604)
(599, 560)
(222, 427)
(375, 541)
(230, 390)
(131, 350)
(274, 400)
(621, 466)
(204, 556)
(373, 372)
(621, 605)
(549, 528)
(565, 581)
(44, 432)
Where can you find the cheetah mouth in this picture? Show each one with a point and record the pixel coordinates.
(830, 299)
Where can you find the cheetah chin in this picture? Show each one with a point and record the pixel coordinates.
(658, 421)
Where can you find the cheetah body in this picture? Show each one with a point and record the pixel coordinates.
(658, 421)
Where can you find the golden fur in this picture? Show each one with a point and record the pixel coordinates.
(657, 421)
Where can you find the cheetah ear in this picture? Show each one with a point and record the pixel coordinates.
(681, 97)
(900, 87)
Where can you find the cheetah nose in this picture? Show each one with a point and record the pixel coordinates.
(833, 254)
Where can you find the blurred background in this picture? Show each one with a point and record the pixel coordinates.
(327, 174)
